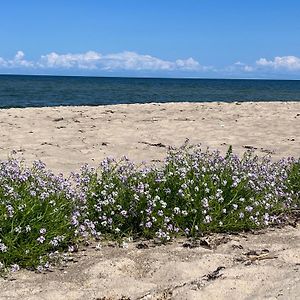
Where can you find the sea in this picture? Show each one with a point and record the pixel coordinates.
(42, 91)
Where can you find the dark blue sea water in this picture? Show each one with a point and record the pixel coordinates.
(39, 91)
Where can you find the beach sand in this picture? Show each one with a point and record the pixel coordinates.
(264, 265)
(66, 137)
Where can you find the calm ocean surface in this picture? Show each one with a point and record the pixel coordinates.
(38, 91)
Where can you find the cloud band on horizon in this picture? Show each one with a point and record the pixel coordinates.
(132, 61)
(92, 60)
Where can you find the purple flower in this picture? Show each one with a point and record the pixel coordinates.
(43, 231)
(148, 224)
(41, 239)
(15, 268)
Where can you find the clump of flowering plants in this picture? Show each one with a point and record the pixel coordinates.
(35, 214)
(193, 192)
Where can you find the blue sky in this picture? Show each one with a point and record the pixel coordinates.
(163, 38)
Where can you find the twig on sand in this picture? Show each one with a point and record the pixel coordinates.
(154, 144)
(253, 255)
(194, 284)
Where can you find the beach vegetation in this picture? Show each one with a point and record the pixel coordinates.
(194, 192)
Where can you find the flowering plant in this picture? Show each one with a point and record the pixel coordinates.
(193, 192)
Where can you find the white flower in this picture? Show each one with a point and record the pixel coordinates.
(15, 268)
(3, 248)
(40, 269)
(207, 219)
(160, 213)
(249, 208)
(176, 210)
(156, 198)
(41, 239)
(204, 202)
(163, 204)
(43, 231)
(123, 212)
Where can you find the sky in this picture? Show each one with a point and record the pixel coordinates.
(157, 38)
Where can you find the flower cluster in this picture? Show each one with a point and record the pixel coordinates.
(191, 193)
(194, 192)
(35, 210)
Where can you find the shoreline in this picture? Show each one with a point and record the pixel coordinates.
(65, 137)
(236, 102)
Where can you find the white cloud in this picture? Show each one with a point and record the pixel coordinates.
(243, 67)
(291, 63)
(3, 62)
(264, 67)
(17, 62)
(91, 60)
(126, 60)
(19, 56)
(86, 60)
(132, 61)
(188, 64)
(248, 68)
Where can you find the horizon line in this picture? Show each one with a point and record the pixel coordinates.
(148, 77)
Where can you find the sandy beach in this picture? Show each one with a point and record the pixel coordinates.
(261, 265)
(66, 137)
